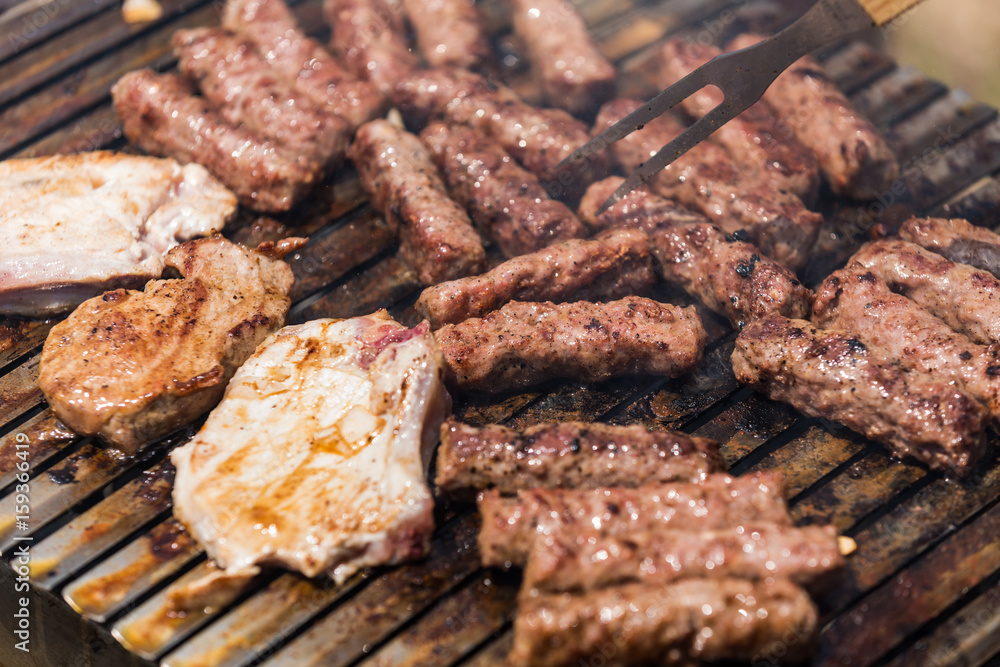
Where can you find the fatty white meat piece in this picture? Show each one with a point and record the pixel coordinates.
(316, 458)
(77, 225)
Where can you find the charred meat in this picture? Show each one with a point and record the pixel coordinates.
(808, 556)
(966, 298)
(537, 138)
(436, 236)
(247, 91)
(568, 454)
(370, 36)
(855, 159)
(160, 114)
(505, 201)
(707, 180)
(725, 272)
(612, 265)
(450, 33)
(856, 300)
(573, 72)
(833, 374)
(692, 619)
(756, 139)
(525, 343)
(511, 526)
(956, 239)
(301, 60)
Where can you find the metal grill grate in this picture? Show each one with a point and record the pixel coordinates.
(923, 586)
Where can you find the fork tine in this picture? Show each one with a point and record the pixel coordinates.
(663, 102)
(680, 144)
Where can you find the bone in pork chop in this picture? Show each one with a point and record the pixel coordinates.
(316, 457)
(131, 366)
(77, 225)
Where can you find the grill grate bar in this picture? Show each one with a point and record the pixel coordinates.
(98, 529)
(350, 631)
(118, 582)
(45, 438)
(864, 486)
(870, 629)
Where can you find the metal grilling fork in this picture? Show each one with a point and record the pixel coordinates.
(743, 76)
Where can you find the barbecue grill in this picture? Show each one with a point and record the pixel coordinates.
(105, 554)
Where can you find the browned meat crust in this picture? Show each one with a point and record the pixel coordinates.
(707, 180)
(756, 139)
(537, 138)
(160, 114)
(248, 91)
(856, 300)
(611, 265)
(506, 202)
(131, 366)
(855, 159)
(726, 273)
(449, 33)
(568, 454)
(966, 298)
(370, 35)
(692, 619)
(808, 556)
(958, 240)
(271, 28)
(512, 525)
(832, 374)
(525, 343)
(436, 236)
(574, 74)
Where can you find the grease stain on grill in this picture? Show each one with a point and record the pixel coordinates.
(65, 473)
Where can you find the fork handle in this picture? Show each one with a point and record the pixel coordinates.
(883, 11)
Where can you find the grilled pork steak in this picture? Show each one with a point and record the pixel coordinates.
(511, 526)
(568, 454)
(506, 202)
(524, 343)
(707, 180)
(856, 300)
(77, 225)
(437, 238)
(726, 273)
(966, 298)
(316, 457)
(692, 619)
(855, 159)
(611, 265)
(132, 366)
(956, 239)
(832, 374)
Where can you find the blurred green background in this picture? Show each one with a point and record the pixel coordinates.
(954, 41)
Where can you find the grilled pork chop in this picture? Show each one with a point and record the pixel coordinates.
(77, 225)
(131, 366)
(316, 457)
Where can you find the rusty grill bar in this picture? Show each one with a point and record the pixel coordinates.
(923, 586)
